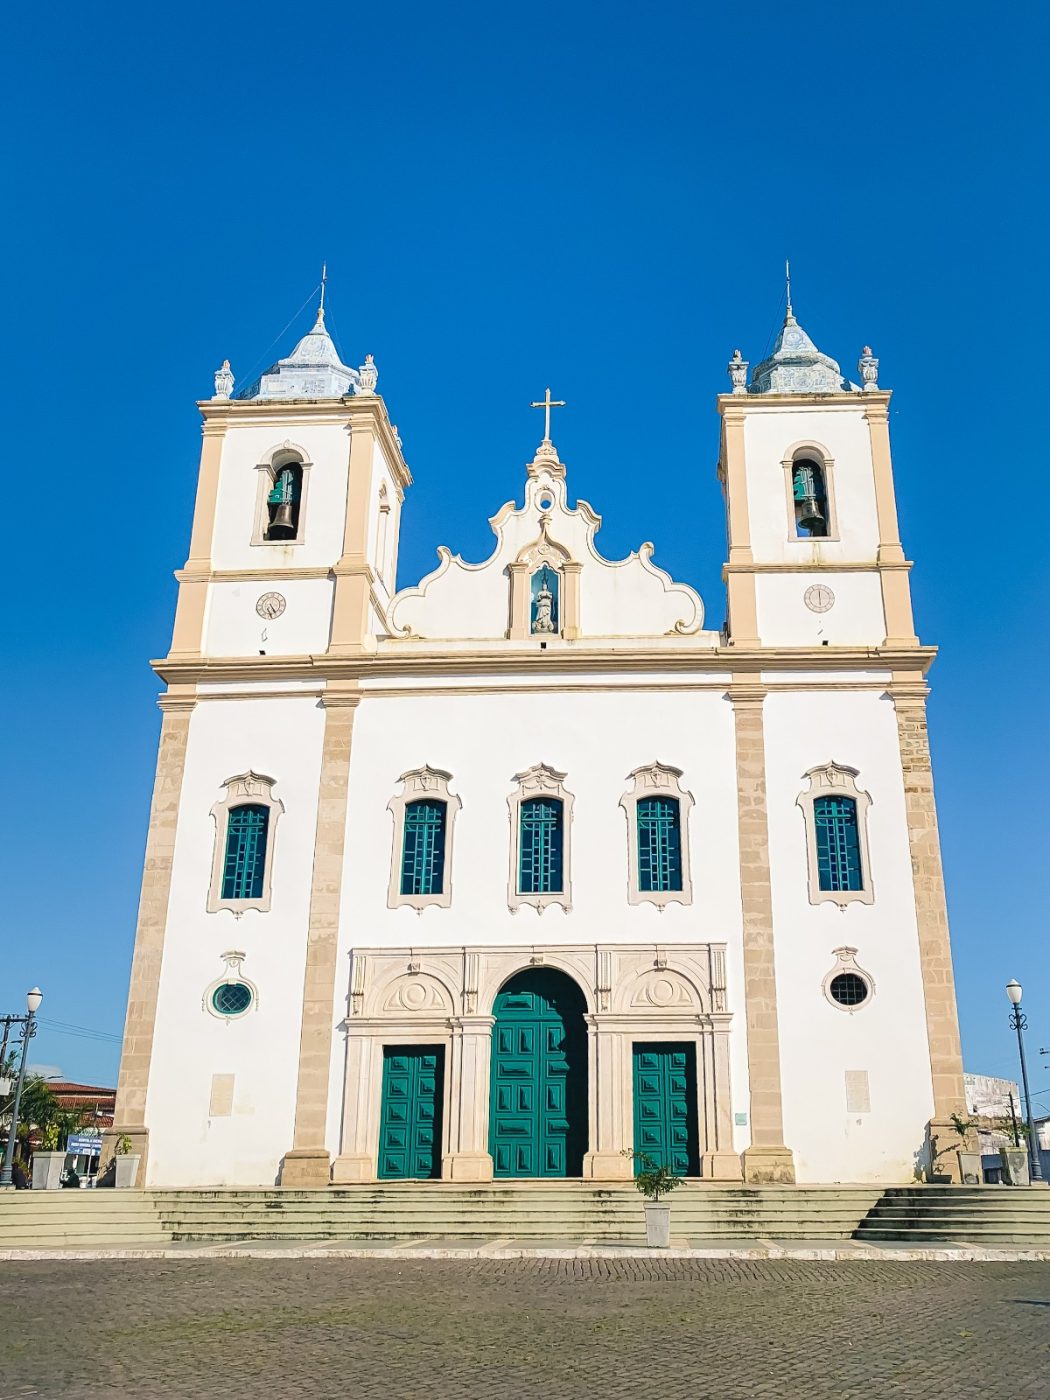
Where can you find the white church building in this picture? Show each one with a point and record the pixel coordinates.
(504, 873)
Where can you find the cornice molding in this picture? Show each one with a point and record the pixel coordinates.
(417, 661)
(873, 403)
(823, 566)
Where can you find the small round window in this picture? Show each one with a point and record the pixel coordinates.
(849, 990)
(231, 998)
(546, 502)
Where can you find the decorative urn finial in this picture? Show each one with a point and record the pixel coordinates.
(369, 376)
(869, 368)
(737, 370)
(223, 381)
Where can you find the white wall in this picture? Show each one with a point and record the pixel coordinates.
(282, 739)
(234, 628)
(857, 617)
(843, 433)
(327, 446)
(596, 739)
(819, 1041)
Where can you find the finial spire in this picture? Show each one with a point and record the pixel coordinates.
(324, 279)
(790, 315)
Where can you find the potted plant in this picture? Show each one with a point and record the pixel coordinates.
(654, 1181)
(125, 1163)
(970, 1171)
(48, 1162)
(1014, 1156)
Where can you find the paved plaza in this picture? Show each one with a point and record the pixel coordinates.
(522, 1330)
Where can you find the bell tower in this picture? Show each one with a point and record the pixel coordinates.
(815, 557)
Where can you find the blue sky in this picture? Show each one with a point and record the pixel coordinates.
(599, 198)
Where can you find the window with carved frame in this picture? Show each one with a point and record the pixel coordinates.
(245, 825)
(540, 812)
(424, 815)
(657, 808)
(835, 812)
(281, 497)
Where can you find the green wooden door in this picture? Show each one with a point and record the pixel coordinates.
(665, 1106)
(410, 1113)
(538, 1115)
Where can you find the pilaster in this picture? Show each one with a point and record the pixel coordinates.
(893, 567)
(133, 1080)
(307, 1163)
(767, 1159)
(908, 692)
(742, 605)
(191, 606)
(468, 1157)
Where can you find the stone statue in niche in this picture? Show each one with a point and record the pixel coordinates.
(544, 601)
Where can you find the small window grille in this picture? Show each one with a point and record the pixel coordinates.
(231, 998)
(245, 861)
(540, 862)
(838, 843)
(423, 858)
(848, 989)
(659, 844)
(811, 498)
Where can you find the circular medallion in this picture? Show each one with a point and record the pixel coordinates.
(271, 605)
(819, 598)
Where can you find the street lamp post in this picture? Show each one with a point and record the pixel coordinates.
(33, 1000)
(1019, 1022)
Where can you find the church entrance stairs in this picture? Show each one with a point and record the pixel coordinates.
(986, 1215)
(528, 1214)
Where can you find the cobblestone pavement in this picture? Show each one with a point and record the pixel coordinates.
(585, 1329)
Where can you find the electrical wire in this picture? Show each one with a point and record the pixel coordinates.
(81, 1032)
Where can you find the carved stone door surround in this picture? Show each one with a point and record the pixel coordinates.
(443, 996)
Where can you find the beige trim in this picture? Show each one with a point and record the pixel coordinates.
(307, 1163)
(896, 590)
(801, 566)
(353, 573)
(218, 414)
(931, 911)
(767, 1159)
(137, 1051)
(404, 660)
(192, 603)
(824, 780)
(420, 784)
(809, 451)
(540, 781)
(657, 780)
(257, 789)
(289, 454)
(741, 594)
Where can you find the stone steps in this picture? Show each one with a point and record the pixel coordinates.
(988, 1215)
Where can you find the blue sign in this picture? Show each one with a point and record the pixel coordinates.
(84, 1144)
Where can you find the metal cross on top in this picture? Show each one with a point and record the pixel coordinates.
(547, 403)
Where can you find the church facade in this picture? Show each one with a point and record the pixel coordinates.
(391, 927)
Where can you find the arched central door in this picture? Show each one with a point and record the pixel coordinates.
(538, 1116)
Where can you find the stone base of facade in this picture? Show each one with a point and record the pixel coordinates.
(305, 1168)
(607, 1166)
(768, 1166)
(349, 1167)
(139, 1138)
(467, 1166)
(721, 1166)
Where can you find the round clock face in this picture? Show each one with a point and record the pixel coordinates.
(819, 598)
(270, 605)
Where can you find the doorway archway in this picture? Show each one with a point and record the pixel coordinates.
(538, 1109)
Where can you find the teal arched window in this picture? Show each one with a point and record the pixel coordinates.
(810, 493)
(282, 503)
(838, 843)
(541, 846)
(423, 852)
(244, 864)
(659, 843)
